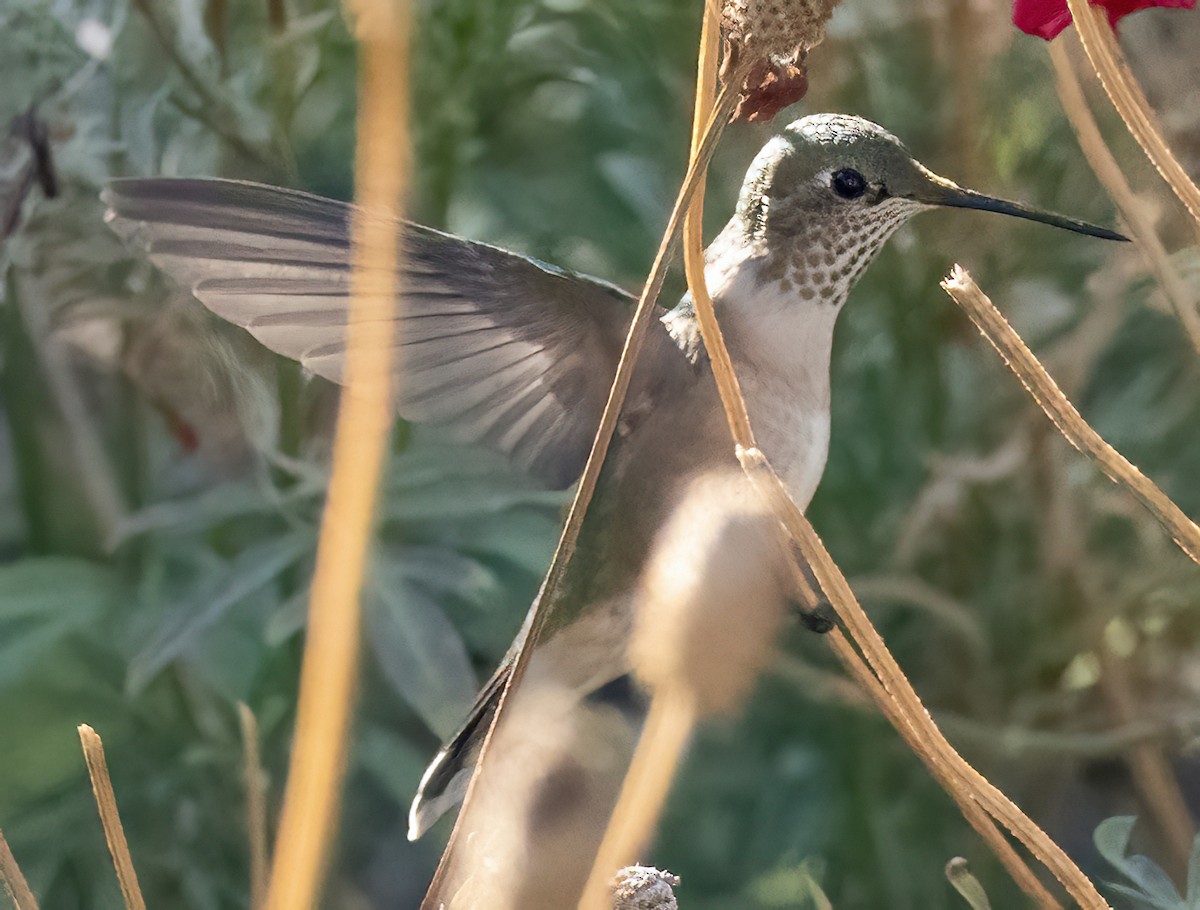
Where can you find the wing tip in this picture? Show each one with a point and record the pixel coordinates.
(117, 196)
(121, 190)
(446, 793)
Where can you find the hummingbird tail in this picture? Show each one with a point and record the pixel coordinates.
(444, 783)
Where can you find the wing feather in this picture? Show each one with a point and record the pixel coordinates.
(505, 350)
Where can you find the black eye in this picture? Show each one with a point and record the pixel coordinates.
(848, 183)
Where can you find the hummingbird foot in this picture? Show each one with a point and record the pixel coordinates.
(820, 618)
(809, 602)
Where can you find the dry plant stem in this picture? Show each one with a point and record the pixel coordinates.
(1105, 166)
(256, 806)
(1149, 766)
(14, 882)
(110, 819)
(1007, 742)
(1016, 742)
(1152, 773)
(1127, 97)
(894, 693)
(669, 725)
(672, 715)
(633, 343)
(693, 244)
(643, 315)
(979, 819)
(966, 293)
(95, 470)
(921, 597)
(211, 110)
(967, 26)
(927, 740)
(864, 681)
(327, 678)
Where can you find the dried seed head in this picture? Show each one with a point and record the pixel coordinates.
(777, 28)
(771, 39)
(644, 888)
(711, 598)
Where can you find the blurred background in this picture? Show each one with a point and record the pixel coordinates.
(161, 476)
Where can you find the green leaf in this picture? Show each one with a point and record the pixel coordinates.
(212, 506)
(1141, 899)
(1112, 839)
(393, 759)
(37, 55)
(1154, 882)
(966, 884)
(416, 647)
(41, 600)
(791, 887)
(1154, 887)
(74, 681)
(427, 483)
(288, 618)
(252, 569)
(1193, 875)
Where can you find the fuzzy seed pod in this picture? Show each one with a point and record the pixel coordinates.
(644, 888)
(770, 40)
(712, 596)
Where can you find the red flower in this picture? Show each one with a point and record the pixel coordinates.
(1046, 18)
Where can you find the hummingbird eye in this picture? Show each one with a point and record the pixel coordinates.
(848, 183)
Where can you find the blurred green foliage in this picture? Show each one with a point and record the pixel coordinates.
(161, 477)
(1144, 885)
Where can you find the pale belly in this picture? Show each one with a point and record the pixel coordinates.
(591, 651)
(794, 438)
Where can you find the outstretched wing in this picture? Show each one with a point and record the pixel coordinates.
(505, 350)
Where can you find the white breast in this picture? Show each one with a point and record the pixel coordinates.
(793, 435)
(780, 345)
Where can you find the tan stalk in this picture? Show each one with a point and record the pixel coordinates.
(15, 886)
(979, 819)
(672, 715)
(110, 818)
(966, 293)
(925, 738)
(693, 224)
(711, 601)
(256, 806)
(1105, 166)
(963, 781)
(1127, 97)
(1147, 759)
(633, 343)
(313, 794)
(966, 22)
(1007, 742)
(1152, 772)
(541, 610)
(669, 725)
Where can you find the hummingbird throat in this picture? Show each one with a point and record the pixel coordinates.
(822, 257)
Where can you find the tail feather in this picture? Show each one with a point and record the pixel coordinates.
(444, 784)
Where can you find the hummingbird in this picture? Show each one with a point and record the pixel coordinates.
(519, 355)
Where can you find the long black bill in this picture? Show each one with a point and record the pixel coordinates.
(955, 196)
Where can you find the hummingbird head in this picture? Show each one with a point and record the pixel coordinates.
(830, 189)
